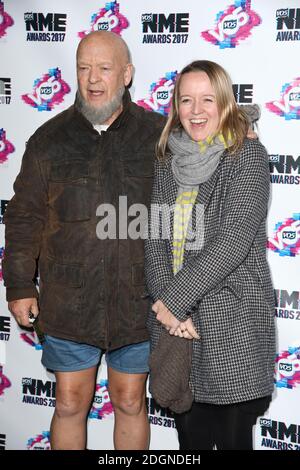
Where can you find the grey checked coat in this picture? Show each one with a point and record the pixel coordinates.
(225, 285)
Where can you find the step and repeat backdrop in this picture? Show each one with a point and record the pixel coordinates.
(258, 42)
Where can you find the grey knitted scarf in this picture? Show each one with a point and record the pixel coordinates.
(193, 162)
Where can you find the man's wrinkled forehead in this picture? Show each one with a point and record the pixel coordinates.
(103, 43)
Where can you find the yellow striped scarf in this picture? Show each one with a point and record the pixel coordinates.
(183, 209)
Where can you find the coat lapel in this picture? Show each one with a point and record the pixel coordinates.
(196, 228)
(169, 197)
(206, 189)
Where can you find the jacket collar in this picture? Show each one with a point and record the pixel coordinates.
(82, 132)
(122, 118)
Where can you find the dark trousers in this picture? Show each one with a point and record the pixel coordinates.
(228, 427)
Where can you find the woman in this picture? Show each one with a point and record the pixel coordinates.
(209, 279)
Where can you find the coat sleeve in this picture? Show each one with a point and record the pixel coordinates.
(244, 210)
(158, 271)
(24, 220)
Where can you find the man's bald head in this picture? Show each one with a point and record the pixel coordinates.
(98, 37)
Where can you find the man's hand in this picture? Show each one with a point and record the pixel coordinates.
(21, 308)
(165, 317)
(187, 330)
(251, 134)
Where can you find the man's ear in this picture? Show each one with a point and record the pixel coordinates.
(128, 74)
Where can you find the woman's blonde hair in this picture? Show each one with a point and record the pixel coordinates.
(233, 122)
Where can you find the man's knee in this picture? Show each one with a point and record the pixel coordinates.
(71, 403)
(129, 404)
(74, 392)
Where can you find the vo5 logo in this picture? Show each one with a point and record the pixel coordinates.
(108, 18)
(160, 94)
(288, 106)
(232, 25)
(48, 91)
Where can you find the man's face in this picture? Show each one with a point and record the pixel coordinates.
(102, 70)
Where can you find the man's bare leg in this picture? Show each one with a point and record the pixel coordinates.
(128, 394)
(74, 395)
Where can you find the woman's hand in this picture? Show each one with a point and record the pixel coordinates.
(187, 330)
(175, 327)
(165, 317)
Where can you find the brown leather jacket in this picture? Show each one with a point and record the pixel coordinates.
(91, 290)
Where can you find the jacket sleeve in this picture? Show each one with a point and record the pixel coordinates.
(244, 210)
(24, 220)
(158, 271)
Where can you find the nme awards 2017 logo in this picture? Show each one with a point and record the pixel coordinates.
(233, 25)
(37, 392)
(160, 94)
(5, 90)
(278, 435)
(6, 147)
(48, 91)
(5, 20)
(288, 24)
(159, 416)
(39, 442)
(286, 238)
(45, 27)
(108, 18)
(287, 304)
(102, 407)
(243, 92)
(288, 368)
(284, 169)
(4, 329)
(288, 106)
(175, 28)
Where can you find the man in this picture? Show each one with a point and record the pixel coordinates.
(92, 296)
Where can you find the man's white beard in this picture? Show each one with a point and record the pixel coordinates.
(102, 114)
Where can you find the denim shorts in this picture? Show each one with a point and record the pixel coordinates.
(60, 355)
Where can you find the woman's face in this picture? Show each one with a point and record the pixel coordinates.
(198, 112)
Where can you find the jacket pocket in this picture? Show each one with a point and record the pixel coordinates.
(70, 275)
(140, 295)
(138, 274)
(137, 179)
(141, 166)
(61, 298)
(138, 280)
(140, 306)
(69, 170)
(70, 191)
(231, 283)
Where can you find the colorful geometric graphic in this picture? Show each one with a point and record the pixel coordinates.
(233, 25)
